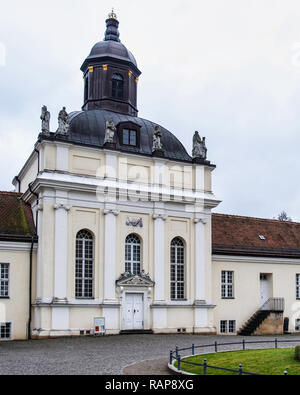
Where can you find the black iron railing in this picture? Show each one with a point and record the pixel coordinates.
(175, 355)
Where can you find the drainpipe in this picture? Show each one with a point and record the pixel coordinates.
(38, 152)
(19, 184)
(33, 239)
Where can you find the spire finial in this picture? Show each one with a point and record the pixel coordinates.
(112, 25)
(112, 15)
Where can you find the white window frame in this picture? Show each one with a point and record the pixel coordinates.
(232, 326)
(228, 326)
(298, 286)
(133, 254)
(227, 284)
(80, 263)
(4, 281)
(10, 331)
(179, 286)
(223, 326)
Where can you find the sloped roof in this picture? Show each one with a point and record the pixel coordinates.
(237, 235)
(16, 220)
(88, 128)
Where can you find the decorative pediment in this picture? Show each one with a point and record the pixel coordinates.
(139, 280)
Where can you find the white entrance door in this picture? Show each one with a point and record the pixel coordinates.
(134, 314)
(264, 288)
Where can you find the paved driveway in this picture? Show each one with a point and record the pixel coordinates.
(100, 356)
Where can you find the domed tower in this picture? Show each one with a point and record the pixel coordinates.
(111, 74)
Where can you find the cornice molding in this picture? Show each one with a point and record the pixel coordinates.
(254, 259)
(17, 246)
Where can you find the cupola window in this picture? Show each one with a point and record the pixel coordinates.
(130, 137)
(117, 86)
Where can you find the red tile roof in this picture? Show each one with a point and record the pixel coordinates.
(16, 220)
(232, 234)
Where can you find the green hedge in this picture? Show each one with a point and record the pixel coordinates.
(297, 353)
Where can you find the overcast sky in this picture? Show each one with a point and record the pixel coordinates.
(227, 68)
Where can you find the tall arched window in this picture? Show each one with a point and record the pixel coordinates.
(84, 271)
(117, 86)
(177, 269)
(133, 254)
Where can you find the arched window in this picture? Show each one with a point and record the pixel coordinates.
(117, 86)
(133, 254)
(84, 271)
(177, 269)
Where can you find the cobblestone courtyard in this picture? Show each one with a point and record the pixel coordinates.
(106, 355)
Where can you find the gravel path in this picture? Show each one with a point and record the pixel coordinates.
(106, 355)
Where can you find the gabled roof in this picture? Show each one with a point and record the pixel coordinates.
(237, 235)
(16, 220)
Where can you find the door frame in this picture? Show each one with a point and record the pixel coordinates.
(269, 279)
(141, 297)
(146, 293)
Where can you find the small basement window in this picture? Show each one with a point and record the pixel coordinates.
(5, 330)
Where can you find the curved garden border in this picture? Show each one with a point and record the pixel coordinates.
(176, 357)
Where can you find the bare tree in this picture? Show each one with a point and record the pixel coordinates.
(284, 217)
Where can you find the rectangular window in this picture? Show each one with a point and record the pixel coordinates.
(5, 330)
(4, 280)
(130, 137)
(227, 285)
(228, 326)
(298, 286)
(232, 326)
(297, 324)
(223, 326)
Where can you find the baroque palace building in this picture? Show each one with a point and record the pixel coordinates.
(112, 219)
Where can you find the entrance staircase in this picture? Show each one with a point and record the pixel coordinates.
(273, 305)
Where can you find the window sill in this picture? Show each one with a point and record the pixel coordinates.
(84, 298)
(228, 298)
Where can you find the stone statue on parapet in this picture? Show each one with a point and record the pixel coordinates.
(45, 118)
(199, 147)
(63, 122)
(157, 144)
(110, 132)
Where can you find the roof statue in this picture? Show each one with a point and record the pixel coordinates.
(110, 132)
(63, 122)
(199, 147)
(157, 144)
(45, 118)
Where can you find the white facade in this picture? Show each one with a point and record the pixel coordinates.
(70, 187)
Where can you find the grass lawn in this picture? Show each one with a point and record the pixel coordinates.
(267, 362)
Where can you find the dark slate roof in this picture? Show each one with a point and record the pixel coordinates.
(237, 235)
(16, 218)
(88, 128)
(111, 49)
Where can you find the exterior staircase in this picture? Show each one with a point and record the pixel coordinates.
(273, 305)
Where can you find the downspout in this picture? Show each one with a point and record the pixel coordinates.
(19, 184)
(33, 239)
(38, 152)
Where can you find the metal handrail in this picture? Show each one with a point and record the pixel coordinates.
(174, 354)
